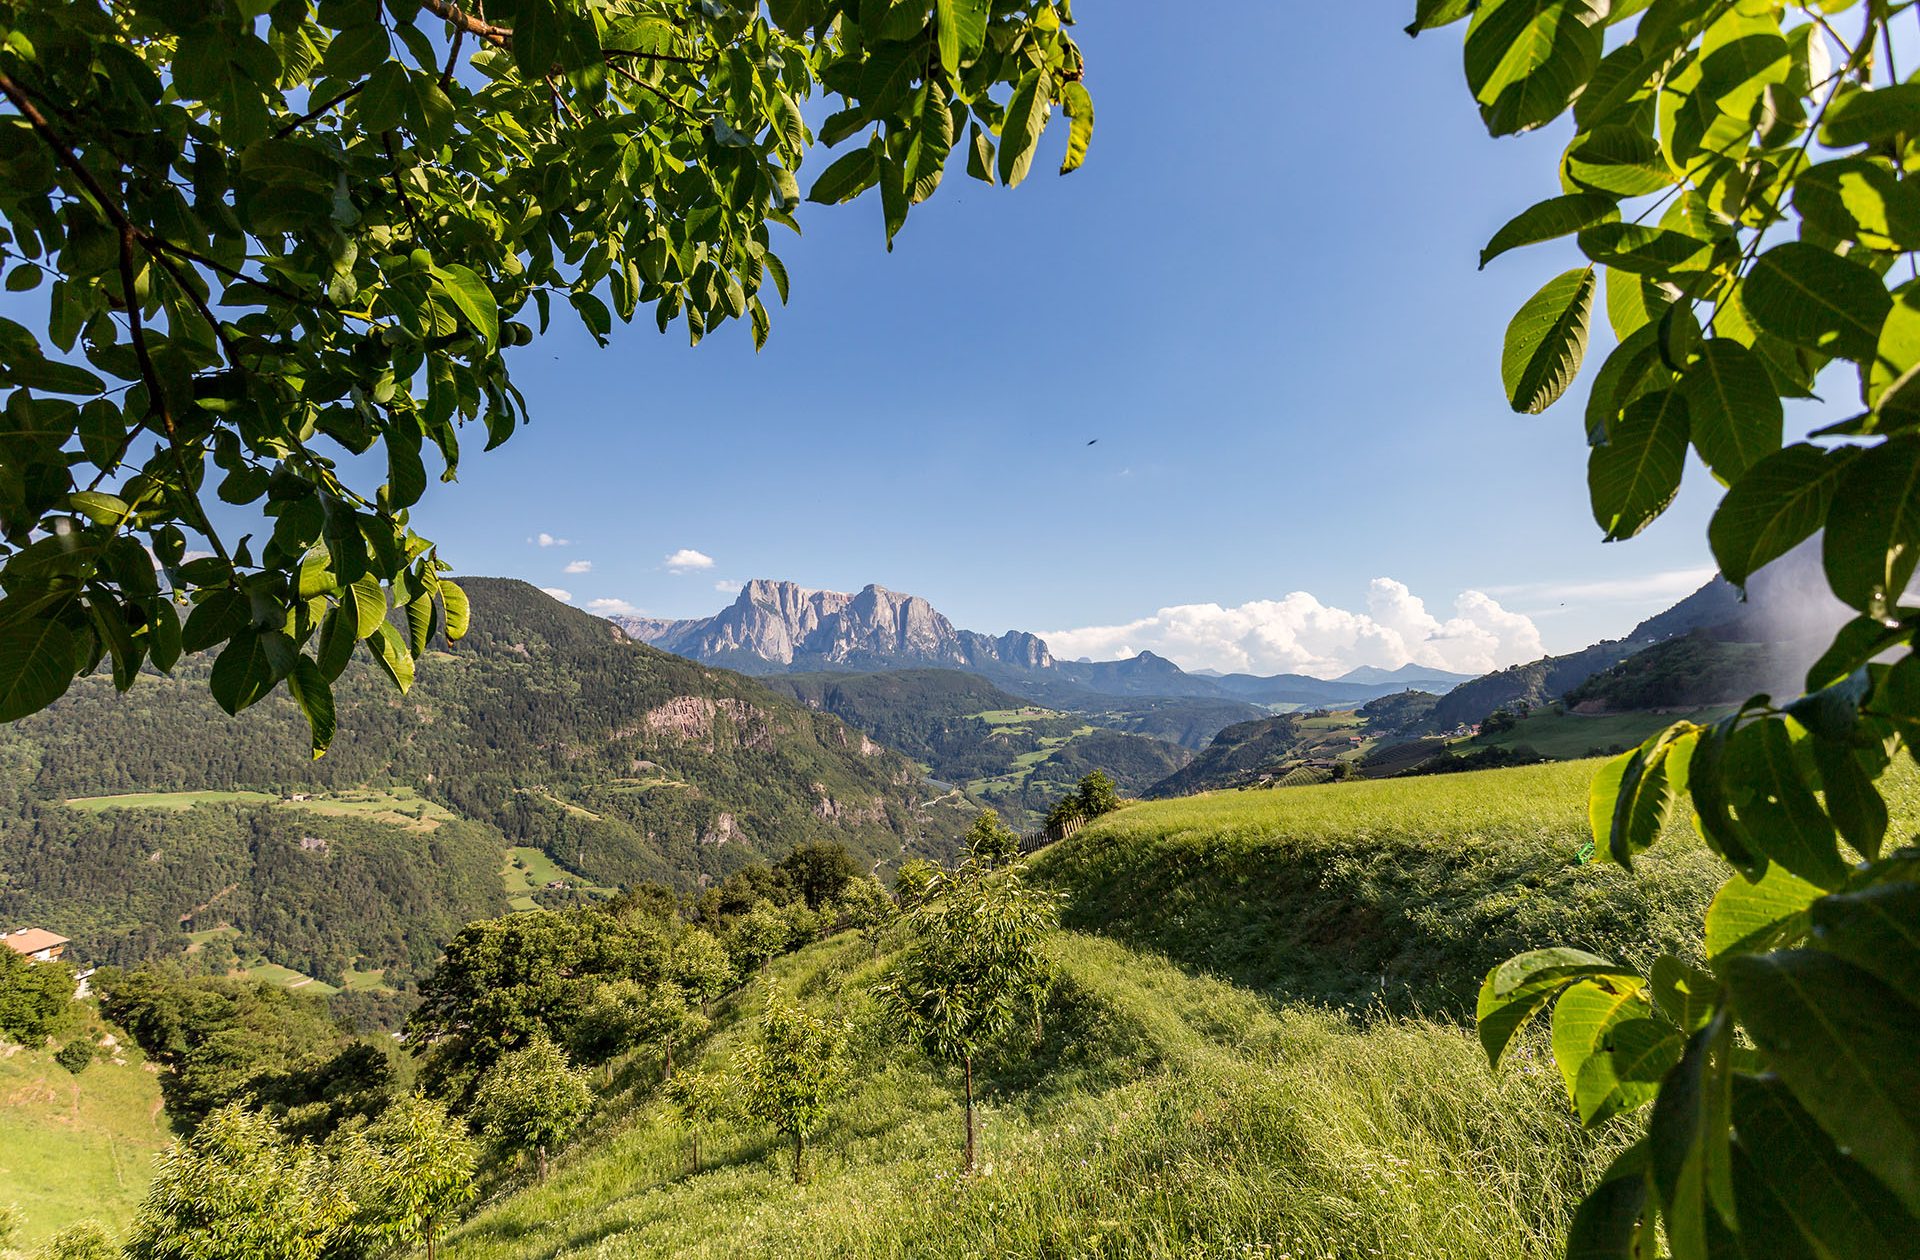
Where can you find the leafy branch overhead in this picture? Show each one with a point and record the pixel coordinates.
(1740, 182)
(279, 250)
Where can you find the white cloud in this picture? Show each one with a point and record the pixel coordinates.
(727, 587)
(548, 540)
(1301, 635)
(614, 608)
(565, 597)
(687, 560)
(578, 566)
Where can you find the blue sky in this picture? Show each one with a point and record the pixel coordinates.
(1259, 296)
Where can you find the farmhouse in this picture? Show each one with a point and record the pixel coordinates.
(36, 944)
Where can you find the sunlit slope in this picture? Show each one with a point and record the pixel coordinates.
(1400, 891)
(76, 1147)
(1164, 1115)
(1261, 1045)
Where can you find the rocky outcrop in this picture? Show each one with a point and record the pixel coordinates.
(787, 626)
(692, 717)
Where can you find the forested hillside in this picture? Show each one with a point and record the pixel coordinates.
(1003, 750)
(545, 728)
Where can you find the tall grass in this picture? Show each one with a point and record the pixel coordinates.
(1166, 1115)
(1397, 894)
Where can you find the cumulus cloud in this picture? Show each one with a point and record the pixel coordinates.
(548, 540)
(614, 608)
(727, 587)
(687, 560)
(578, 566)
(565, 597)
(1301, 635)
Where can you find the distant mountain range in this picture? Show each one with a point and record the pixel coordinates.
(784, 628)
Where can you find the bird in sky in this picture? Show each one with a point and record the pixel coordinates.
(1094, 440)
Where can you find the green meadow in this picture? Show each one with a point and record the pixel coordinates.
(1258, 1045)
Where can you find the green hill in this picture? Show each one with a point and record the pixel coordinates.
(1008, 753)
(1258, 1046)
(545, 729)
(80, 1147)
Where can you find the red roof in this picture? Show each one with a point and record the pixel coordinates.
(32, 940)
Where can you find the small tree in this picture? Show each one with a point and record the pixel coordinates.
(911, 884)
(699, 964)
(33, 997)
(702, 1100)
(82, 1240)
(819, 870)
(758, 937)
(1097, 796)
(793, 1072)
(972, 960)
(864, 907)
(418, 1170)
(76, 1055)
(237, 1190)
(990, 841)
(532, 1098)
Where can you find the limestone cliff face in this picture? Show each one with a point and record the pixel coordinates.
(786, 626)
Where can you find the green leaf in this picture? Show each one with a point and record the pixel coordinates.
(1526, 60)
(406, 474)
(419, 623)
(215, 619)
(1585, 1011)
(849, 176)
(1635, 473)
(1603, 794)
(36, 665)
(356, 51)
(1428, 14)
(1843, 1041)
(1893, 379)
(1858, 199)
(946, 36)
(1686, 995)
(1856, 643)
(1870, 115)
(1776, 807)
(1795, 1188)
(314, 695)
(1877, 929)
(1617, 158)
(1546, 220)
(458, 611)
(1686, 1133)
(383, 100)
(1020, 133)
(1847, 790)
(1873, 526)
(1625, 1068)
(1644, 801)
(249, 667)
(1522, 985)
(369, 607)
(1810, 297)
(1606, 1225)
(337, 637)
(1713, 813)
(1079, 108)
(1546, 340)
(389, 652)
(1732, 408)
(472, 298)
(1780, 502)
(1645, 250)
(1749, 917)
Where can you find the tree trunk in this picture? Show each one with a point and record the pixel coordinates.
(696, 1154)
(430, 1233)
(799, 1160)
(668, 1075)
(543, 1163)
(969, 1061)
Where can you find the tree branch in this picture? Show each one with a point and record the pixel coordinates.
(318, 110)
(461, 20)
(156, 395)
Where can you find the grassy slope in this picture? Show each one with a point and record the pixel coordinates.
(1557, 733)
(75, 1147)
(1199, 1093)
